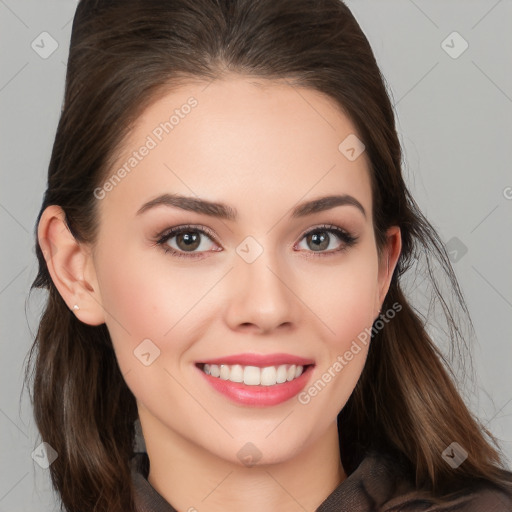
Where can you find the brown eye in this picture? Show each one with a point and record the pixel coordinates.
(321, 238)
(186, 241)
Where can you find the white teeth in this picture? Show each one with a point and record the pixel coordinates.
(224, 372)
(214, 370)
(253, 375)
(281, 374)
(268, 376)
(236, 374)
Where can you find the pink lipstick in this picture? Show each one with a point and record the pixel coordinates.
(257, 379)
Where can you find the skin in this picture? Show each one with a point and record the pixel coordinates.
(247, 143)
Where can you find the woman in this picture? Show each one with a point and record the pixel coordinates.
(223, 240)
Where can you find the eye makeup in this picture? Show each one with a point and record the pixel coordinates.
(188, 231)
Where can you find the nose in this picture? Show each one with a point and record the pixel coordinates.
(262, 296)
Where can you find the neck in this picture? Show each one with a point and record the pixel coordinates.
(191, 478)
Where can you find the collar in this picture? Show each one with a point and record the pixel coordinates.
(376, 480)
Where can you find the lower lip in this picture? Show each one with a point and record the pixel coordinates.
(261, 396)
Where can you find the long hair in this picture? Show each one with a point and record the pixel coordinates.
(125, 54)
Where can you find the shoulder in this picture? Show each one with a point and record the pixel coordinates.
(389, 486)
(488, 498)
(483, 499)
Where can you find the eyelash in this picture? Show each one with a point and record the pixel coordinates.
(162, 239)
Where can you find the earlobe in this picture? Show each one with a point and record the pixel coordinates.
(389, 260)
(70, 266)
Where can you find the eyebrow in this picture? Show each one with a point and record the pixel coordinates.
(224, 211)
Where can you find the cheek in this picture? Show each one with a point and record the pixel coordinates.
(145, 314)
(133, 297)
(345, 307)
(150, 298)
(342, 296)
(344, 351)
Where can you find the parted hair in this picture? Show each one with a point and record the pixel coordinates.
(125, 54)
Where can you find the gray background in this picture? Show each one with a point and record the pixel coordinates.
(454, 119)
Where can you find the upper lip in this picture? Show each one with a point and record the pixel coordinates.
(259, 360)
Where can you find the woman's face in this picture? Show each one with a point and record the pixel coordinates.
(247, 283)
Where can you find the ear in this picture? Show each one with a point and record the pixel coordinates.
(70, 265)
(388, 261)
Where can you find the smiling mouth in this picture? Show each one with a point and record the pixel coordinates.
(254, 375)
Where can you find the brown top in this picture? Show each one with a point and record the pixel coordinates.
(378, 484)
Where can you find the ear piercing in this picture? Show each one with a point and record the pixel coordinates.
(75, 307)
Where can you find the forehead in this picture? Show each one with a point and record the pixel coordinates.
(241, 141)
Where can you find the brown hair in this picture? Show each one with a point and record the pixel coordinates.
(123, 55)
